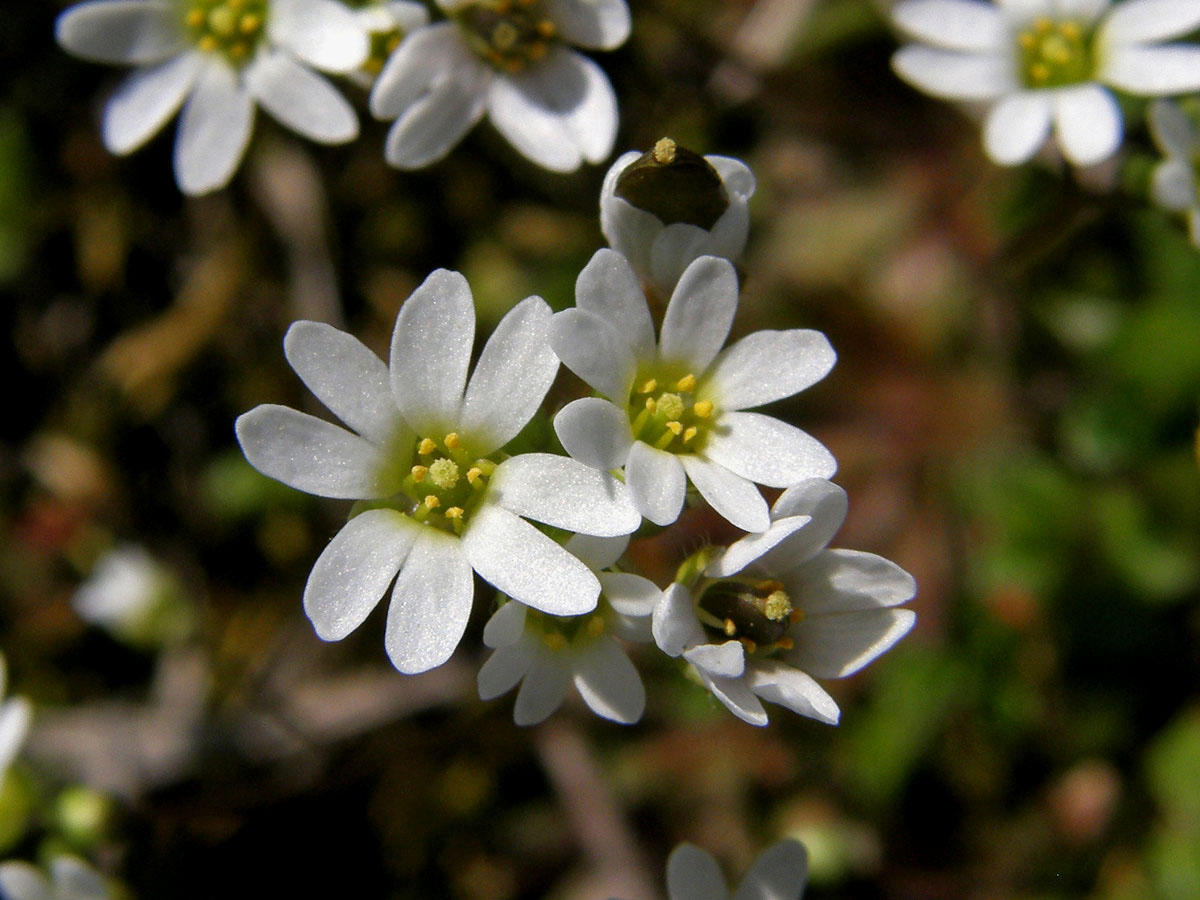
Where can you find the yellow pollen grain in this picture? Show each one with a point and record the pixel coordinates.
(195, 17)
(432, 502)
(785, 643)
(426, 446)
(675, 428)
(664, 151)
(1070, 31)
(419, 473)
(554, 640)
(649, 386)
(595, 626)
(207, 44)
(546, 28)
(686, 383)
(689, 433)
(452, 441)
(703, 409)
(651, 404)
(474, 474)
(454, 512)
(1027, 40)
(730, 627)
(250, 23)
(1039, 71)
(1043, 25)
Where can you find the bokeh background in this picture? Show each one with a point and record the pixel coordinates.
(1014, 410)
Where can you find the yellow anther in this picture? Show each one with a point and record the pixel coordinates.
(426, 446)
(1039, 72)
(748, 644)
(664, 151)
(235, 4)
(503, 7)
(595, 626)
(250, 23)
(730, 627)
(238, 50)
(1027, 40)
(419, 473)
(649, 387)
(207, 44)
(486, 466)
(785, 643)
(651, 404)
(195, 17)
(686, 383)
(703, 409)
(454, 512)
(546, 28)
(689, 433)
(474, 474)
(452, 441)
(432, 502)
(536, 50)
(1043, 25)
(554, 640)
(1070, 30)
(675, 428)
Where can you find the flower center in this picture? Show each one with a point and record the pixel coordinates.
(445, 484)
(1055, 54)
(665, 413)
(756, 612)
(382, 45)
(509, 34)
(232, 28)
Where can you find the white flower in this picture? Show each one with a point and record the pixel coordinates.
(70, 879)
(673, 410)
(427, 446)
(546, 654)
(1175, 186)
(660, 252)
(216, 59)
(15, 713)
(511, 60)
(779, 873)
(1048, 63)
(134, 596)
(387, 23)
(790, 610)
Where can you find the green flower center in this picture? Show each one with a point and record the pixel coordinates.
(1055, 54)
(757, 612)
(382, 45)
(232, 28)
(666, 414)
(444, 484)
(509, 34)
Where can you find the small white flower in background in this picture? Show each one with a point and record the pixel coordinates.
(674, 409)
(1174, 181)
(546, 654)
(135, 597)
(779, 873)
(1048, 64)
(775, 609)
(217, 59)
(663, 209)
(387, 23)
(426, 448)
(70, 879)
(512, 61)
(15, 713)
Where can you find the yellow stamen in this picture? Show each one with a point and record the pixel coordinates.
(250, 23)
(651, 404)
(1043, 25)
(675, 428)
(432, 502)
(730, 627)
(537, 50)
(546, 28)
(454, 512)
(419, 473)
(554, 640)
(689, 433)
(195, 17)
(686, 383)
(426, 446)
(474, 474)
(785, 643)
(649, 386)
(452, 441)
(1039, 71)
(703, 409)
(748, 644)
(1070, 30)
(207, 44)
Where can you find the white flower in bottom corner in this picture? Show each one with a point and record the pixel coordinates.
(779, 873)
(218, 59)
(511, 60)
(70, 879)
(546, 654)
(1174, 182)
(15, 713)
(1048, 65)
(773, 610)
(427, 452)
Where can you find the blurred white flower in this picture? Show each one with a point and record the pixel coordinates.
(779, 873)
(1048, 64)
(511, 60)
(70, 879)
(546, 654)
(426, 449)
(785, 609)
(1174, 181)
(15, 713)
(705, 211)
(135, 597)
(217, 59)
(673, 409)
(387, 23)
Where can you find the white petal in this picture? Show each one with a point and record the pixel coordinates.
(301, 99)
(522, 562)
(608, 682)
(1088, 123)
(731, 495)
(214, 130)
(735, 693)
(347, 377)
(680, 244)
(630, 595)
(146, 100)
(1145, 21)
(780, 683)
(15, 716)
(676, 628)
(779, 873)
(629, 230)
(738, 555)
(766, 450)
(408, 15)
(833, 646)
(955, 76)
(844, 580)
(21, 881)
(504, 669)
(595, 432)
(351, 575)
(426, 58)
(827, 505)
(609, 287)
(76, 881)
(1174, 184)
(769, 365)
(1153, 71)
(596, 24)
(1016, 127)
(597, 552)
(558, 112)
(564, 493)
(657, 481)
(725, 660)
(543, 689)
(1172, 129)
(506, 625)
(700, 313)
(594, 350)
(431, 353)
(323, 33)
(434, 124)
(1084, 11)
(134, 32)
(511, 377)
(309, 454)
(430, 603)
(692, 874)
(953, 24)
